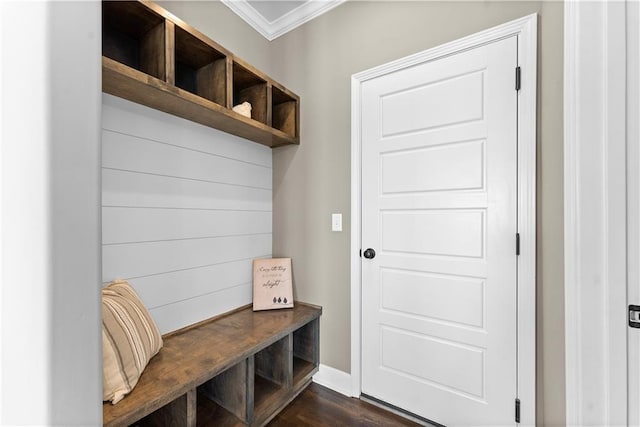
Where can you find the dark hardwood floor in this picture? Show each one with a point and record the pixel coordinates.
(318, 406)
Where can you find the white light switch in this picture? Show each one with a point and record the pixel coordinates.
(336, 222)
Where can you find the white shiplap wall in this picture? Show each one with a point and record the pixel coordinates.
(185, 210)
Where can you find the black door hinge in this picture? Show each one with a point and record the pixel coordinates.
(634, 316)
(517, 410)
(517, 243)
(360, 253)
(517, 78)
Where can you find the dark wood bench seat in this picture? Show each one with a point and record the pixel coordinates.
(240, 368)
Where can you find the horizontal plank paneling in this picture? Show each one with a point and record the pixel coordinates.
(143, 259)
(136, 154)
(162, 289)
(122, 225)
(121, 188)
(185, 210)
(184, 313)
(159, 126)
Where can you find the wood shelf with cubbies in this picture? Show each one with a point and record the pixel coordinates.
(239, 369)
(153, 58)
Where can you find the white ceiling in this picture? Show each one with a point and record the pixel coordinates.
(273, 18)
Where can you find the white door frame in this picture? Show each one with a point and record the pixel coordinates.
(595, 212)
(526, 30)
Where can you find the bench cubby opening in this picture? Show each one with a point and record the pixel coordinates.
(231, 390)
(305, 354)
(181, 411)
(212, 414)
(272, 378)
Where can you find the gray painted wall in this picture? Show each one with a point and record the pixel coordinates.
(313, 180)
(51, 360)
(185, 210)
(309, 182)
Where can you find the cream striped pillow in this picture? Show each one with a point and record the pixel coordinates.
(130, 338)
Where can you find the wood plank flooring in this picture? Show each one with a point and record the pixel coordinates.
(318, 406)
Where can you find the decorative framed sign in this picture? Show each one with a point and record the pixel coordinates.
(272, 285)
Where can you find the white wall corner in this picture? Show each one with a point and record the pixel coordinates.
(25, 205)
(50, 305)
(594, 202)
(1, 207)
(334, 379)
(571, 249)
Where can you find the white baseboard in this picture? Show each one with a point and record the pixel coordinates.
(334, 379)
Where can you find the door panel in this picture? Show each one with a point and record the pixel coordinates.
(452, 366)
(421, 170)
(439, 206)
(464, 94)
(433, 295)
(451, 232)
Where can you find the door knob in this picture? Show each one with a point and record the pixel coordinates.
(369, 254)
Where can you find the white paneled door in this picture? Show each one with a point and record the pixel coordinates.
(439, 181)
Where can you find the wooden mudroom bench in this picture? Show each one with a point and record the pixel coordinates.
(240, 368)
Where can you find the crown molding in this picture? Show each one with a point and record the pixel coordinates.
(287, 22)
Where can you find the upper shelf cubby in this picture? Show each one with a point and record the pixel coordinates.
(155, 59)
(135, 36)
(249, 87)
(284, 107)
(200, 68)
